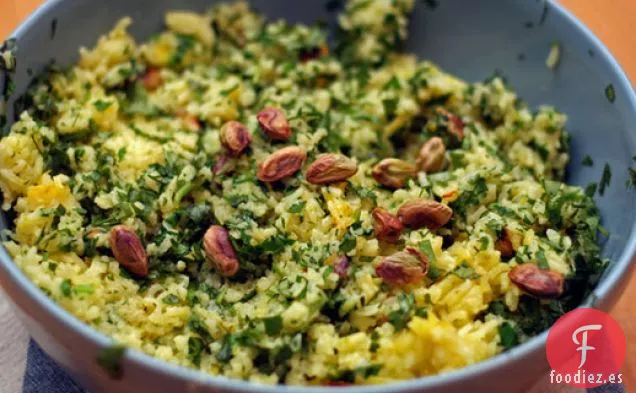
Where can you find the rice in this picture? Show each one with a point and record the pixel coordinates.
(132, 139)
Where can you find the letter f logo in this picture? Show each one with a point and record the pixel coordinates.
(583, 343)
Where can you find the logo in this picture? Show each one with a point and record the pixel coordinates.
(586, 348)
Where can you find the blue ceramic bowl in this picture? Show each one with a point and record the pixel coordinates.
(468, 38)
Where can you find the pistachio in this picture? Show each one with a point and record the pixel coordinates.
(281, 164)
(387, 227)
(402, 268)
(152, 79)
(219, 250)
(431, 157)
(504, 245)
(129, 250)
(235, 137)
(455, 125)
(420, 213)
(331, 168)
(393, 173)
(223, 165)
(274, 124)
(536, 281)
(341, 266)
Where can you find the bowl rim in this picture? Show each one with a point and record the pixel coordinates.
(605, 288)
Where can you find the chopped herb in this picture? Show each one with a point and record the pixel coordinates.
(101, 105)
(110, 360)
(393, 84)
(542, 261)
(587, 161)
(348, 242)
(66, 288)
(273, 325)
(631, 182)
(434, 272)
(605, 179)
(507, 336)
(544, 13)
(121, 153)
(400, 317)
(390, 106)
(53, 28)
(171, 299)
(610, 93)
(195, 347)
(297, 207)
(484, 242)
(52, 266)
(590, 190)
(86, 289)
(225, 353)
(465, 271)
(432, 4)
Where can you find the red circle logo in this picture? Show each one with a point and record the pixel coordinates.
(586, 348)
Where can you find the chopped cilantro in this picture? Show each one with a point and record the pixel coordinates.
(390, 106)
(631, 181)
(484, 242)
(587, 161)
(297, 207)
(273, 325)
(101, 105)
(507, 336)
(542, 261)
(393, 84)
(605, 179)
(171, 299)
(434, 272)
(83, 289)
(225, 354)
(195, 347)
(610, 93)
(66, 288)
(110, 360)
(465, 271)
(590, 190)
(53, 28)
(400, 317)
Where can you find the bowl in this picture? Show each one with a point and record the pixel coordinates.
(468, 38)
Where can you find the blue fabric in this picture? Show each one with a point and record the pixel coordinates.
(44, 375)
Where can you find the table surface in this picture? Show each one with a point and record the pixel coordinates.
(612, 24)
